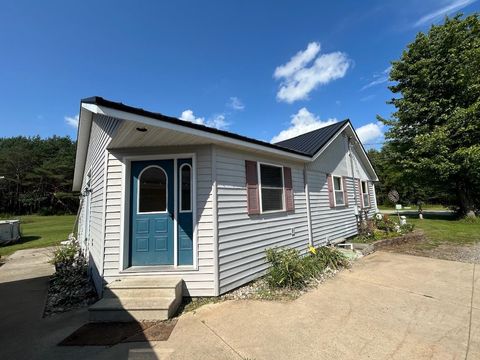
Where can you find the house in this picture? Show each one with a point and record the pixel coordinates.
(164, 197)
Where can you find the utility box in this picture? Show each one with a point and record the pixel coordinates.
(9, 231)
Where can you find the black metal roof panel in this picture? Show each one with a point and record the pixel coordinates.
(306, 144)
(97, 100)
(310, 143)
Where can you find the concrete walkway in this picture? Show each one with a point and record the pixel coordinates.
(389, 306)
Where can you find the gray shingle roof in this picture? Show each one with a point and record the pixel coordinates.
(311, 142)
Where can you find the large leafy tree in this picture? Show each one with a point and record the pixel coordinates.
(435, 131)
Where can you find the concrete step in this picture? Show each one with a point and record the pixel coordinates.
(138, 298)
(116, 293)
(143, 287)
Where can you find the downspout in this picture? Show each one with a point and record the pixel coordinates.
(355, 195)
(307, 200)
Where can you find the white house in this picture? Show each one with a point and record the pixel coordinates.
(164, 198)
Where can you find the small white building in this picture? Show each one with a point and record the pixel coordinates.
(163, 197)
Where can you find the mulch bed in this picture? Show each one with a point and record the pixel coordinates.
(109, 334)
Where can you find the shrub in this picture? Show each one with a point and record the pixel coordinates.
(331, 257)
(65, 255)
(386, 224)
(70, 286)
(289, 269)
(406, 228)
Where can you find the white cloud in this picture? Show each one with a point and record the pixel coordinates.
(378, 78)
(298, 79)
(446, 10)
(298, 61)
(72, 121)
(187, 115)
(217, 121)
(236, 104)
(302, 122)
(370, 132)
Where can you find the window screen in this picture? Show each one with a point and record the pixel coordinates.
(338, 188)
(271, 178)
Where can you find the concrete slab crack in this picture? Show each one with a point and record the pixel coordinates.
(221, 339)
(471, 313)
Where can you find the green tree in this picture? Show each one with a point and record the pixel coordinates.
(435, 131)
(37, 175)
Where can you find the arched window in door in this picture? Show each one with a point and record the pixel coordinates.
(152, 190)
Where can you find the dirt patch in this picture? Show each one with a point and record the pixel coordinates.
(109, 334)
(422, 246)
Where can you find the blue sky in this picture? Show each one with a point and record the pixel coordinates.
(254, 68)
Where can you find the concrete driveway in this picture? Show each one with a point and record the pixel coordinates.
(387, 306)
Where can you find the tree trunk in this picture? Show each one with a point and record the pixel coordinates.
(464, 200)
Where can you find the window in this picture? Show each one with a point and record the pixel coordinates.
(338, 191)
(365, 197)
(271, 188)
(152, 190)
(186, 188)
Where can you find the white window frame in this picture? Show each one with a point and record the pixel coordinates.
(269, 187)
(366, 204)
(191, 188)
(335, 191)
(138, 191)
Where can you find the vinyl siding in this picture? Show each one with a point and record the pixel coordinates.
(197, 282)
(330, 224)
(102, 130)
(243, 239)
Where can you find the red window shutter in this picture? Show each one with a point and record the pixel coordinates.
(288, 184)
(330, 190)
(359, 183)
(345, 194)
(253, 201)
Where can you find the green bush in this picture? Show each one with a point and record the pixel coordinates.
(65, 255)
(330, 257)
(386, 224)
(406, 228)
(289, 269)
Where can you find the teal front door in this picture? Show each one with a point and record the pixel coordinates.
(152, 212)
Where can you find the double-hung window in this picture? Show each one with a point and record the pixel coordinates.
(365, 197)
(338, 191)
(271, 188)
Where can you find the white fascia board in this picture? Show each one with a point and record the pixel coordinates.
(365, 156)
(205, 134)
(83, 138)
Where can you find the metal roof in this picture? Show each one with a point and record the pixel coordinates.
(310, 143)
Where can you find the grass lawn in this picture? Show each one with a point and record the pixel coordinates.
(447, 229)
(41, 231)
